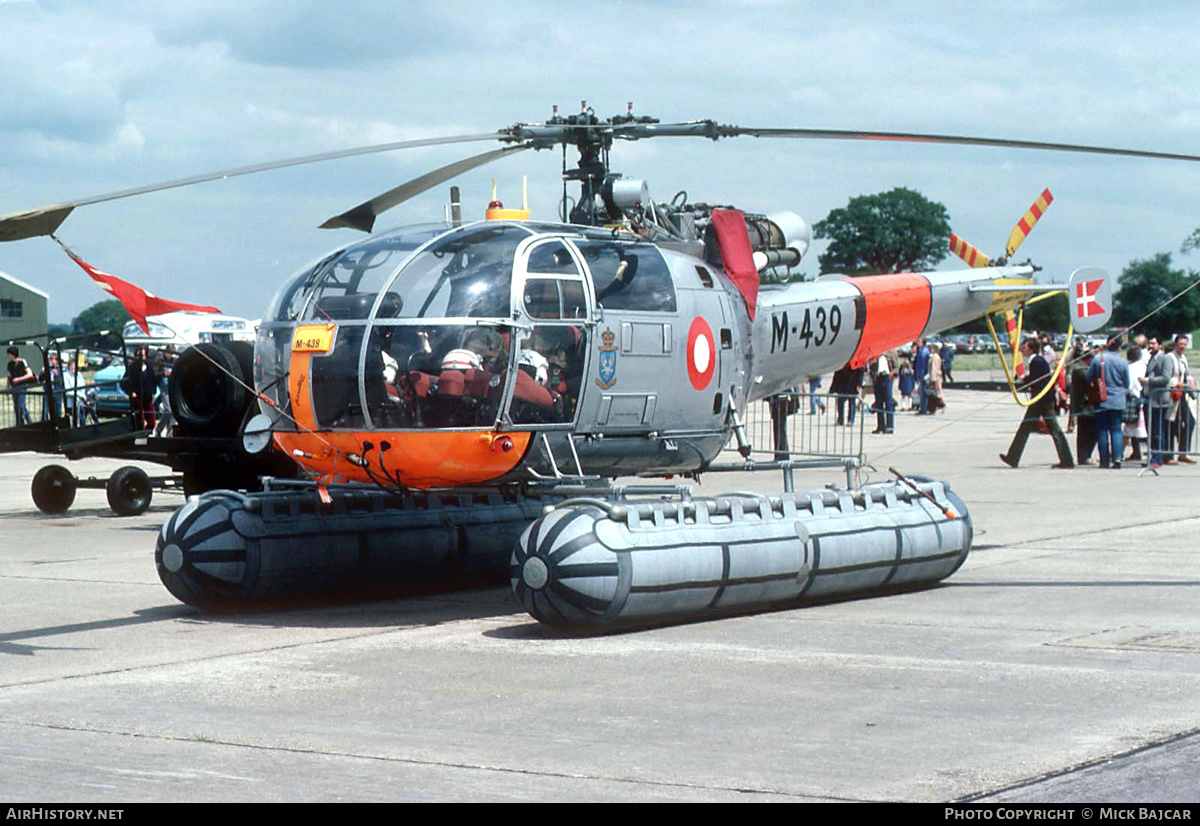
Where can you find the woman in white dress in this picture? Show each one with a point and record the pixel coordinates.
(1134, 420)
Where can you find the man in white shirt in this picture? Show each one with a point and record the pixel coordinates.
(1185, 421)
(69, 399)
(885, 404)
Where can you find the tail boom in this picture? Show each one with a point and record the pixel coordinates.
(814, 328)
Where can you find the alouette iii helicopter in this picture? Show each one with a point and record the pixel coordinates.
(453, 390)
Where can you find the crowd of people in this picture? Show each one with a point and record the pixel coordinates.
(1138, 399)
(1143, 413)
(73, 398)
(920, 380)
(146, 381)
(71, 395)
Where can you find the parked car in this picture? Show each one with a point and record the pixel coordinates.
(111, 400)
(963, 343)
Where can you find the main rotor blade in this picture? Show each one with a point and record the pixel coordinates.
(44, 220)
(362, 217)
(917, 137)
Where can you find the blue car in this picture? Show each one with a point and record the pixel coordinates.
(111, 400)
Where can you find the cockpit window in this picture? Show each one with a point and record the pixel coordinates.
(449, 375)
(345, 286)
(289, 301)
(467, 274)
(629, 276)
(334, 377)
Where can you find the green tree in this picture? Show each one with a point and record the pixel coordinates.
(103, 315)
(896, 231)
(1145, 285)
(1051, 315)
(1192, 242)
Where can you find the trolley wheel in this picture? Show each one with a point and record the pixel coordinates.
(129, 491)
(53, 489)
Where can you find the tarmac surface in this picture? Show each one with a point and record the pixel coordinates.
(1061, 663)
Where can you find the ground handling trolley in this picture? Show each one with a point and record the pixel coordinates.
(206, 452)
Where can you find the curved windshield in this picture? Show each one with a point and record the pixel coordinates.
(345, 286)
(290, 298)
(354, 270)
(467, 274)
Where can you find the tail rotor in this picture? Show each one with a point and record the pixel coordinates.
(971, 255)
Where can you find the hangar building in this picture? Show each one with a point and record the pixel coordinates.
(23, 309)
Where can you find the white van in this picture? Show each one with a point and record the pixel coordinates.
(185, 328)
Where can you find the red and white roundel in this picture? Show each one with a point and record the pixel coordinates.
(701, 353)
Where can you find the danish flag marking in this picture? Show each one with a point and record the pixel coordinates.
(1085, 302)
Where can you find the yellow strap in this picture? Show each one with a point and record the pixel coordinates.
(1062, 359)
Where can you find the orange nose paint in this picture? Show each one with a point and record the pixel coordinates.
(424, 459)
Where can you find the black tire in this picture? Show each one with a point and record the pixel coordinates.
(53, 489)
(243, 351)
(207, 393)
(129, 491)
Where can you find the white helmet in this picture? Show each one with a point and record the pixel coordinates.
(539, 368)
(462, 360)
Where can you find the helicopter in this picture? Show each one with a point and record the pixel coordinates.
(479, 360)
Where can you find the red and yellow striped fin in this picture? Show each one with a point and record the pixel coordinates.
(1026, 223)
(967, 252)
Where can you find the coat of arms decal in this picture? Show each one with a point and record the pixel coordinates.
(608, 360)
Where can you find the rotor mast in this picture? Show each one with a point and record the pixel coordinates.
(593, 137)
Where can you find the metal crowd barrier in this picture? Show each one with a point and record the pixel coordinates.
(784, 433)
(804, 432)
(1173, 440)
(32, 400)
(67, 406)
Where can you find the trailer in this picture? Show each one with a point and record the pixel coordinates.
(204, 450)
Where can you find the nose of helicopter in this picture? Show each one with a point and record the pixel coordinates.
(420, 460)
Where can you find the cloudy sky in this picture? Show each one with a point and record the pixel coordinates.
(100, 96)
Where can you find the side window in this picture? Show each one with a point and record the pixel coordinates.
(554, 298)
(629, 276)
(574, 304)
(550, 364)
(432, 377)
(542, 298)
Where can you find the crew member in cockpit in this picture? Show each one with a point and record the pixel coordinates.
(562, 347)
(391, 367)
(489, 346)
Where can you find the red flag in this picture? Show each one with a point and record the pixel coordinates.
(136, 301)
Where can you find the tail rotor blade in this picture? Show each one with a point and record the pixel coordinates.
(968, 253)
(1023, 227)
(362, 217)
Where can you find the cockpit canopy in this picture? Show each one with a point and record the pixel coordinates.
(470, 327)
